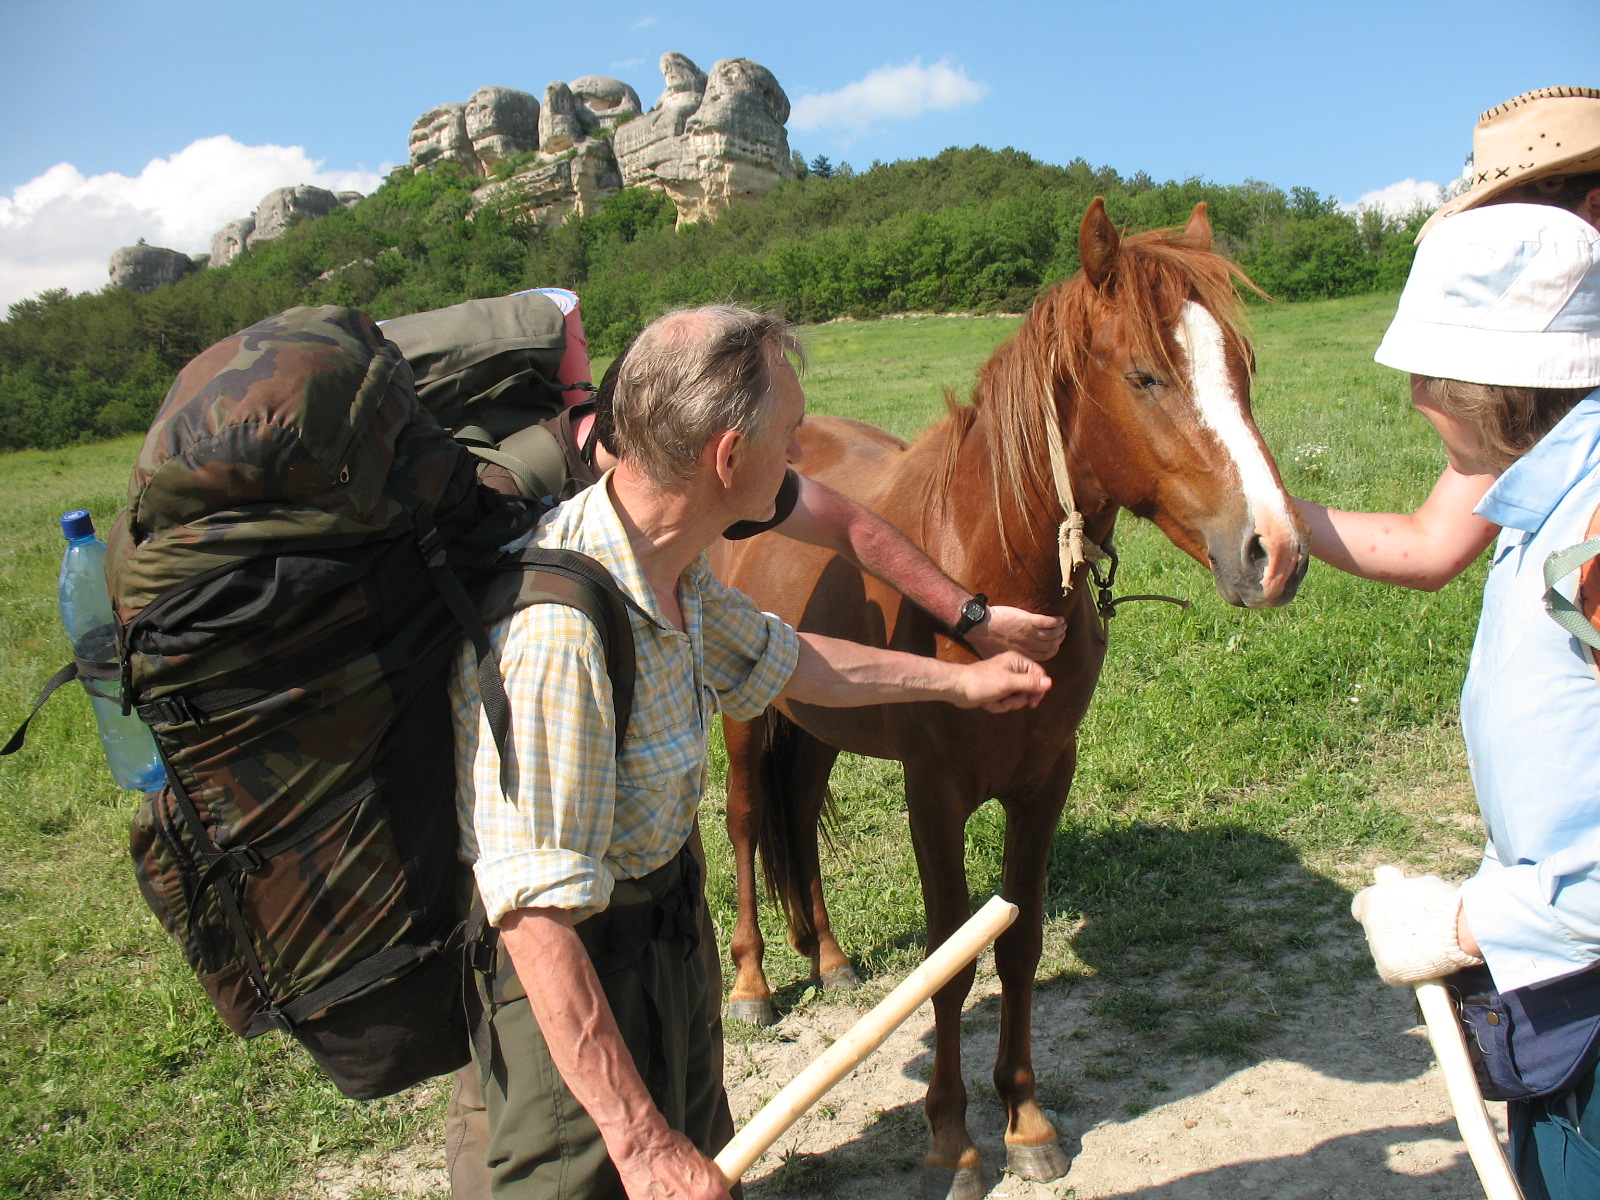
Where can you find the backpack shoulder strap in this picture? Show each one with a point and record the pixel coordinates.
(544, 576)
(1562, 611)
(533, 456)
(580, 582)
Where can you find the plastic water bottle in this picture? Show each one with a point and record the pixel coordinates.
(86, 614)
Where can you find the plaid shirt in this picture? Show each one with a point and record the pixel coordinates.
(580, 817)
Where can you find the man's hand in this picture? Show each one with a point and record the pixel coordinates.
(1411, 928)
(673, 1169)
(1029, 634)
(1003, 683)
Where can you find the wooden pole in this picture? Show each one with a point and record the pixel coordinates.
(865, 1036)
(1450, 1050)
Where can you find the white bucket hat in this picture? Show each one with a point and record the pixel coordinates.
(1506, 294)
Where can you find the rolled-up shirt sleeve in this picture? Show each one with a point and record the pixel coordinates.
(1537, 921)
(541, 842)
(749, 654)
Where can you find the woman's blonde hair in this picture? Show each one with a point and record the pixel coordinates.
(1509, 420)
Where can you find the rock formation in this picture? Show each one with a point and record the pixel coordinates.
(559, 127)
(576, 181)
(603, 102)
(575, 168)
(144, 268)
(501, 124)
(230, 241)
(710, 140)
(440, 135)
(278, 208)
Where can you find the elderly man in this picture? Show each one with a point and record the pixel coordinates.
(602, 1079)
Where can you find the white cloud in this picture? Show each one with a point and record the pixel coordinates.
(59, 229)
(625, 63)
(644, 23)
(888, 94)
(1401, 199)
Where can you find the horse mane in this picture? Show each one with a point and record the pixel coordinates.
(1018, 388)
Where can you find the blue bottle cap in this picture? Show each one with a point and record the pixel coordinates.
(77, 524)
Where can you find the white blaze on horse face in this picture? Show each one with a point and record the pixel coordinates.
(1221, 409)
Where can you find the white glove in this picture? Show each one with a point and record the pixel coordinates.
(1411, 928)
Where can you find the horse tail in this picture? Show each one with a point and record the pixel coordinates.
(785, 829)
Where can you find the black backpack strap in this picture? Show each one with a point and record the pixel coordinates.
(78, 668)
(568, 577)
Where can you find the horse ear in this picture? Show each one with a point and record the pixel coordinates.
(1198, 232)
(1097, 245)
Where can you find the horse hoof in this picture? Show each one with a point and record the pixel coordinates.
(841, 979)
(1040, 1163)
(752, 1012)
(941, 1183)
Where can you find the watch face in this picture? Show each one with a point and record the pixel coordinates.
(974, 610)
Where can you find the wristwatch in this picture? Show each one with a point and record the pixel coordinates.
(973, 612)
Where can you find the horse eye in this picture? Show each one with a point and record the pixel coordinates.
(1142, 380)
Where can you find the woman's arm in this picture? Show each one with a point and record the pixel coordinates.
(1424, 550)
(822, 517)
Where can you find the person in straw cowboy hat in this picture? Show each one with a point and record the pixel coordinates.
(1542, 147)
(1499, 330)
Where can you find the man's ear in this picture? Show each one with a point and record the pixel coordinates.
(722, 454)
(1589, 210)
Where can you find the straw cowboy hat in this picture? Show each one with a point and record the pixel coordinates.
(1548, 131)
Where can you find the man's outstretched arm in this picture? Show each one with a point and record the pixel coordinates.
(822, 517)
(834, 673)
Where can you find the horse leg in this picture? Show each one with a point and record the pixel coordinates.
(803, 790)
(1033, 1150)
(751, 998)
(938, 817)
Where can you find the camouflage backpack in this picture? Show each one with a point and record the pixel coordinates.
(487, 370)
(302, 549)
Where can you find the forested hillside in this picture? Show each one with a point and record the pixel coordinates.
(971, 230)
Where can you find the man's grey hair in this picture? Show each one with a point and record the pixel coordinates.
(691, 375)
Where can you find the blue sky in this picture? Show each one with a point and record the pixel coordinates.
(154, 117)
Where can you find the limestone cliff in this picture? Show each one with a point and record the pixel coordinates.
(710, 140)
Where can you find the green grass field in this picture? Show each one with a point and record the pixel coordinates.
(1238, 770)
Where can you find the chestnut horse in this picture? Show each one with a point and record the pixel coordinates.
(1139, 365)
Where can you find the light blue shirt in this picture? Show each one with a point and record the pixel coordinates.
(1530, 711)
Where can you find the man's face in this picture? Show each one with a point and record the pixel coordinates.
(766, 456)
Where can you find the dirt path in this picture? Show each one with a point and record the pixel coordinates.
(1345, 1103)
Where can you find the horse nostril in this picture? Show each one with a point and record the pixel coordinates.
(1255, 553)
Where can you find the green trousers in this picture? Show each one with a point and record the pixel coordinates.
(539, 1140)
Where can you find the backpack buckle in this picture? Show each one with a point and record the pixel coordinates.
(246, 860)
(170, 710)
(432, 547)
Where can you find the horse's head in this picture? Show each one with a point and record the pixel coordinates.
(1150, 380)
